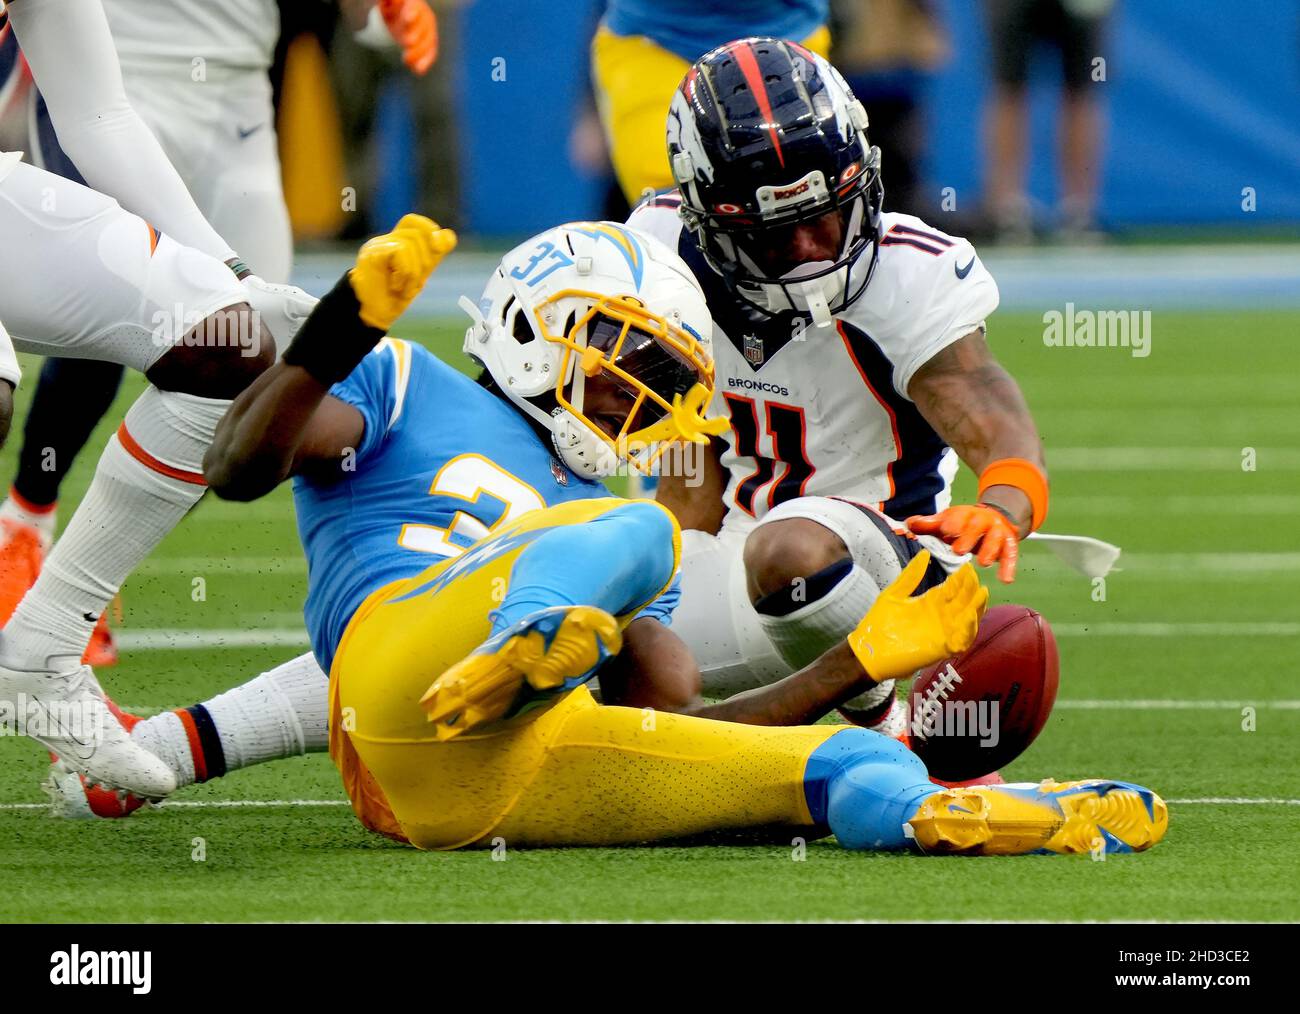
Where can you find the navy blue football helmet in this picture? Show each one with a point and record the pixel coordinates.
(764, 137)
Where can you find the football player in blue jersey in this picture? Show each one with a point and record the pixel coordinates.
(468, 575)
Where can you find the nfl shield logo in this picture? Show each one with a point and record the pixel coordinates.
(559, 472)
(754, 348)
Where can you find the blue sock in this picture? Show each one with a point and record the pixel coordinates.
(864, 786)
(616, 562)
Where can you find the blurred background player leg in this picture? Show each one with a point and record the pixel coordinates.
(1074, 30)
(639, 58)
(400, 135)
(888, 51)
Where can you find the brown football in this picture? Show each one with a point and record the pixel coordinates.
(974, 713)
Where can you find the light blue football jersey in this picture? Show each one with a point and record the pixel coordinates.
(690, 28)
(442, 462)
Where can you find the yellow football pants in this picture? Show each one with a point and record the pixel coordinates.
(572, 773)
(634, 80)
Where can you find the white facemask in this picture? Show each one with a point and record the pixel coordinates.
(816, 296)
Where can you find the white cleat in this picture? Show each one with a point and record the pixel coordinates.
(72, 798)
(69, 715)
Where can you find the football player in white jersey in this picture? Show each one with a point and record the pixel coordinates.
(851, 363)
(85, 277)
(197, 75)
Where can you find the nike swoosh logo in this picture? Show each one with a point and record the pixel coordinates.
(56, 725)
(244, 134)
(963, 272)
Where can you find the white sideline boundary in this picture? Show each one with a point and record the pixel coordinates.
(1171, 704)
(266, 804)
(163, 639)
(1245, 562)
(1069, 704)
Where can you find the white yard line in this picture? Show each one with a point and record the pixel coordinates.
(1132, 562)
(1210, 563)
(265, 804)
(1084, 704)
(296, 637)
(1069, 704)
(1233, 801)
(1169, 459)
(1117, 629)
(1088, 504)
(178, 640)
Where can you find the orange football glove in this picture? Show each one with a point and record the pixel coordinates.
(976, 528)
(414, 27)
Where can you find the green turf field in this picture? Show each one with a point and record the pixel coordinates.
(1203, 620)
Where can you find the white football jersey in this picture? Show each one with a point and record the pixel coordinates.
(223, 33)
(825, 411)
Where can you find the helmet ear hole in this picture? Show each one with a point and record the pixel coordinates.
(519, 323)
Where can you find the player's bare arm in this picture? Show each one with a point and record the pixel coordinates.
(284, 424)
(802, 698)
(655, 670)
(979, 411)
(694, 493)
(900, 634)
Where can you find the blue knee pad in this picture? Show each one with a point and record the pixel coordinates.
(865, 786)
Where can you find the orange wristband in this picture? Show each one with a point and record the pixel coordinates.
(1026, 477)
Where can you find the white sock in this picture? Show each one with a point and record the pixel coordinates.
(803, 636)
(148, 477)
(44, 521)
(165, 737)
(281, 713)
(894, 718)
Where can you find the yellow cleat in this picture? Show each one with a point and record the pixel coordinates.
(1101, 817)
(545, 654)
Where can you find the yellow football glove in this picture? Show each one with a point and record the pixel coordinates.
(902, 633)
(392, 269)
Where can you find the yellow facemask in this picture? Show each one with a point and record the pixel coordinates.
(628, 329)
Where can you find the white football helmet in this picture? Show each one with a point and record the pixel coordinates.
(589, 298)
